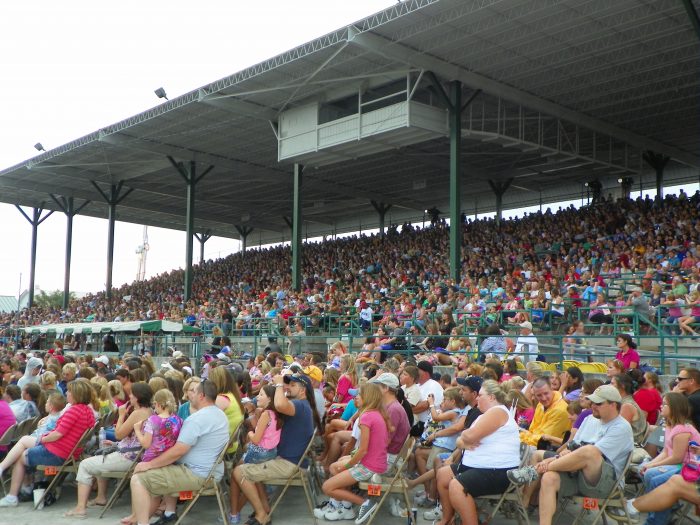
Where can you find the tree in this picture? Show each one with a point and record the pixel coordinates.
(52, 299)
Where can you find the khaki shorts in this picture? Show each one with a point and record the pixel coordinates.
(435, 452)
(574, 484)
(170, 480)
(274, 469)
(93, 467)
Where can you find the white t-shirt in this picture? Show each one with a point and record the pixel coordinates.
(532, 347)
(413, 395)
(429, 387)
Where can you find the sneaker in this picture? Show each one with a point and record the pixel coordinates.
(396, 509)
(163, 520)
(618, 514)
(421, 499)
(8, 501)
(234, 519)
(365, 511)
(339, 513)
(321, 509)
(522, 476)
(433, 514)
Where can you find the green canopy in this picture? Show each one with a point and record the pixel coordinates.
(97, 328)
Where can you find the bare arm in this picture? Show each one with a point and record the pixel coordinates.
(124, 428)
(145, 438)
(284, 405)
(168, 457)
(256, 437)
(487, 424)
(362, 447)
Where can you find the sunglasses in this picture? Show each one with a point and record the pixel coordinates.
(682, 378)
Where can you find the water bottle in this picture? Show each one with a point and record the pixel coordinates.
(102, 437)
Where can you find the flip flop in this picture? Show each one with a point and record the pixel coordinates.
(95, 503)
(75, 515)
(126, 521)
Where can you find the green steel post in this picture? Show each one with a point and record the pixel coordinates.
(455, 181)
(296, 228)
(189, 239)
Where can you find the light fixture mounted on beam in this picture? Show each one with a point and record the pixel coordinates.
(160, 93)
(39, 147)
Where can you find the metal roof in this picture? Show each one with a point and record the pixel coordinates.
(564, 92)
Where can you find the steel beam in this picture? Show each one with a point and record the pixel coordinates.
(381, 209)
(693, 16)
(399, 52)
(455, 118)
(296, 228)
(658, 162)
(67, 206)
(112, 198)
(189, 174)
(244, 231)
(35, 221)
(499, 189)
(202, 238)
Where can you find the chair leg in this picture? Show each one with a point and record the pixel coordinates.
(220, 501)
(54, 481)
(279, 498)
(187, 509)
(115, 495)
(305, 483)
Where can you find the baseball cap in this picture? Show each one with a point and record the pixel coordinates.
(472, 382)
(298, 378)
(353, 391)
(314, 373)
(387, 379)
(605, 393)
(425, 366)
(177, 354)
(102, 359)
(526, 324)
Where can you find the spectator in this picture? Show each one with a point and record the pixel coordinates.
(592, 470)
(185, 466)
(571, 383)
(427, 385)
(630, 409)
(491, 447)
(295, 400)
(688, 383)
(648, 396)
(370, 457)
(551, 416)
(626, 351)
(228, 399)
(526, 346)
(137, 410)
(31, 372)
(54, 447)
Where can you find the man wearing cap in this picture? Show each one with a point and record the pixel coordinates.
(470, 393)
(591, 470)
(526, 346)
(290, 400)
(427, 385)
(688, 384)
(102, 363)
(389, 384)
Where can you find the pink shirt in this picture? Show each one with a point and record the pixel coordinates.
(342, 390)
(271, 436)
(375, 459)
(631, 356)
(672, 432)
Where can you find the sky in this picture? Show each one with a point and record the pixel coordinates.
(70, 68)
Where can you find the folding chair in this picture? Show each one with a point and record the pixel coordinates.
(513, 494)
(123, 479)
(211, 486)
(398, 482)
(68, 466)
(300, 478)
(616, 498)
(6, 441)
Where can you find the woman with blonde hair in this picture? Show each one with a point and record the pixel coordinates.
(157, 383)
(116, 390)
(104, 398)
(369, 458)
(348, 379)
(491, 447)
(48, 383)
(190, 389)
(336, 351)
(228, 399)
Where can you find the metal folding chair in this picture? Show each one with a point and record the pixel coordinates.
(123, 479)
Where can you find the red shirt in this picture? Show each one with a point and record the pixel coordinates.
(71, 425)
(650, 401)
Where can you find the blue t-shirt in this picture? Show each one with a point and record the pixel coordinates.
(349, 411)
(296, 432)
(206, 432)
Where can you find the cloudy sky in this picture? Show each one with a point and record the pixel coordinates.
(70, 68)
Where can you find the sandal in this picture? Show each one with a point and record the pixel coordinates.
(126, 520)
(95, 503)
(75, 515)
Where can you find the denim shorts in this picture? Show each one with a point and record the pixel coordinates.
(256, 454)
(40, 456)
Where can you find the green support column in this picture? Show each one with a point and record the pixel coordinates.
(381, 209)
(191, 179)
(455, 181)
(244, 231)
(658, 162)
(296, 228)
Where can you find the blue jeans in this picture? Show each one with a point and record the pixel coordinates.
(40, 456)
(654, 477)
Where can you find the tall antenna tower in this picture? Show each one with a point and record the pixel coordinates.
(142, 255)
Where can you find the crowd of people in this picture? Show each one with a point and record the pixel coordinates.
(480, 420)
(545, 263)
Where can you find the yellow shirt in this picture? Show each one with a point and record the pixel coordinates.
(554, 421)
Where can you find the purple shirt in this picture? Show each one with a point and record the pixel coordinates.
(583, 415)
(165, 433)
(399, 420)
(7, 419)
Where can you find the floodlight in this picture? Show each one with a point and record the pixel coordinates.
(39, 147)
(160, 93)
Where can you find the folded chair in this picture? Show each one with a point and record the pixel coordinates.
(123, 479)
(6, 440)
(300, 478)
(211, 487)
(513, 494)
(69, 465)
(616, 498)
(396, 484)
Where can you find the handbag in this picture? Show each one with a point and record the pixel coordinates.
(691, 469)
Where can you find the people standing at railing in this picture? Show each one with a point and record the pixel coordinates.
(526, 345)
(687, 321)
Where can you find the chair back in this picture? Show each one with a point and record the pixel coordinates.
(9, 435)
